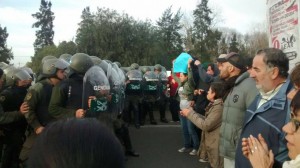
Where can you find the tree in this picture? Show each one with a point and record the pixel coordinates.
(5, 54)
(223, 46)
(205, 36)
(86, 35)
(170, 38)
(234, 45)
(66, 48)
(45, 17)
(40, 54)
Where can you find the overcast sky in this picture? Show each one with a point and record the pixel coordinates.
(15, 15)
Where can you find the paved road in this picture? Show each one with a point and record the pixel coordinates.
(158, 147)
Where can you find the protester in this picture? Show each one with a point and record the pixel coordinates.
(80, 143)
(185, 92)
(256, 149)
(269, 111)
(240, 90)
(210, 123)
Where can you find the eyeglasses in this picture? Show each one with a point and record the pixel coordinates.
(295, 122)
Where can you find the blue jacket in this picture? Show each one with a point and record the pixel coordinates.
(268, 120)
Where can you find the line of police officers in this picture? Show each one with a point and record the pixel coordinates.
(74, 86)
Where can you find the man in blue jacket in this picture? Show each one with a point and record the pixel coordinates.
(269, 111)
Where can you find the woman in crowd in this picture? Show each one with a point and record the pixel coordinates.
(210, 124)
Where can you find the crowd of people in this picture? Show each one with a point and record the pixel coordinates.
(237, 112)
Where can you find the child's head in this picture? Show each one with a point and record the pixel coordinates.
(216, 91)
(183, 77)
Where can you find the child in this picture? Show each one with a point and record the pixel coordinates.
(210, 123)
(186, 89)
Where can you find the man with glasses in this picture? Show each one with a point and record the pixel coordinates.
(269, 111)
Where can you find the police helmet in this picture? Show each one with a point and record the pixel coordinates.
(96, 60)
(3, 64)
(158, 67)
(66, 57)
(118, 63)
(50, 66)
(16, 74)
(134, 66)
(47, 57)
(145, 69)
(80, 63)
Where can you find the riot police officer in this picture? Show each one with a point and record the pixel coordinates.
(66, 98)
(150, 94)
(133, 94)
(104, 103)
(162, 101)
(38, 98)
(11, 99)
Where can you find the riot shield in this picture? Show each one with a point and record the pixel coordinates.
(116, 92)
(123, 87)
(106, 67)
(163, 84)
(134, 82)
(150, 86)
(96, 92)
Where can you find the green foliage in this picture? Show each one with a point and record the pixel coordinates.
(66, 47)
(205, 37)
(39, 55)
(5, 54)
(63, 48)
(223, 46)
(170, 39)
(118, 37)
(234, 45)
(45, 17)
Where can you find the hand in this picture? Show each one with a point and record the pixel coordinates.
(80, 113)
(245, 147)
(259, 156)
(90, 100)
(192, 103)
(39, 130)
(24, 108)
(185, 112)
(197, 62)
(189, 62)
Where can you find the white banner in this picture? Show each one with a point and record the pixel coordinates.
(284, 28)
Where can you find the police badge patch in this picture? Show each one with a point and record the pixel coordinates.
(28, 96)
(235, 98)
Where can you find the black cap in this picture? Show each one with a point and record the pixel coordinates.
(235, 59)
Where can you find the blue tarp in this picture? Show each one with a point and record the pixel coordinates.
(180, 63)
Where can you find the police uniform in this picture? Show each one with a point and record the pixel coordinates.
(37, 98)
(12, 98)
(150, 95)
(66, 97)
(133, 97)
